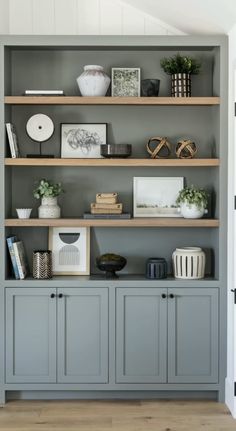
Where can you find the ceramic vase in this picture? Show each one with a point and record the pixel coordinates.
(189, 263)
(192, 210)
(93, 81)
(49, 208)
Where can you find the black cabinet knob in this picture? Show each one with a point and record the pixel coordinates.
(172, 295)
(163, 295)
(52, 295)
(60, 295)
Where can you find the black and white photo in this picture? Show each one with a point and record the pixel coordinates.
(83, 140)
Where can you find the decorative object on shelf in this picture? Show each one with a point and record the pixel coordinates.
(158, 148)
(83, 140)
(23, 212)
(106, 204)
(40, 128)
(150, 87)
(125, 82)
(156, 268)
(193, 202)
(189, 263)
(156, 196)
(48, 192)
(42, 264)
(93, 81)
(180, 67)
(12, 139)
(186, 149)
(110, 263)
(116, 150)
(70, 248)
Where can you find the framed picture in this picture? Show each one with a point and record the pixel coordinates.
(82, 141)
(125, 81)
(70, 248)
(156, 196)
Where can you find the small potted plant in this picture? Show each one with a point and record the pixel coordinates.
(48, 193)
(180, 67)
(192, 202)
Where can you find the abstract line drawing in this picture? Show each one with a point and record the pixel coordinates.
(82, 140)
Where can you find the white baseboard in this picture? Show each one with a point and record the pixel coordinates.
(230, 400)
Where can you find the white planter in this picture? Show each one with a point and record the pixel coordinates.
(93, 81)
(191, 210)
(189, 263)
(49, 208)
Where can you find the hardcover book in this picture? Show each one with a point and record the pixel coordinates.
(19, 251)
(90, 216)
(10, 240)
(12, 139)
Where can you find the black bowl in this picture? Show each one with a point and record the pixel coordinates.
(110, 263)
(116, 150)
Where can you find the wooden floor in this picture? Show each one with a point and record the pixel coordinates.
(116, 415)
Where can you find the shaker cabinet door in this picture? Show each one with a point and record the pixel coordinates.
(30, 335)
(82, 335)
(141, 338)
(193, 335)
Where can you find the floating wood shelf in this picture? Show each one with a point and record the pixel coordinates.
(134, 222)
(78, 100)
(113, 162)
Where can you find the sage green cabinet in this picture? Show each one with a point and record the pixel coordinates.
(147, 317)
(141, 338)
(30, 335)
(56, 335)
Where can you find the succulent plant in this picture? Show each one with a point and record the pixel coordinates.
(46, 189)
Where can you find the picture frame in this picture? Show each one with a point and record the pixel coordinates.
(125, 81)
(156, 196)
(70, 248)
(82, 140)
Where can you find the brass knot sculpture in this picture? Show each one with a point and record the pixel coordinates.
(158, 148)
(185, 149)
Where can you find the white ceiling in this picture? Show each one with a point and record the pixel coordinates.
(192, 16)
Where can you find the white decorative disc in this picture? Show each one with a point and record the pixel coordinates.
(40, 127)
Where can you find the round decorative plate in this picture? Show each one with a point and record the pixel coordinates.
(40, 127)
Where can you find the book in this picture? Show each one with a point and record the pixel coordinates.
(90, 216)
(12, 139)
(105, 211)
(10, 240)
(106, 198)
(44, 93)
(107, 206)
(19, 251)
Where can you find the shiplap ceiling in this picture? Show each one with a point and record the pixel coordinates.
(192, 16)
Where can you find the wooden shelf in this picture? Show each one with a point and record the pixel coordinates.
(139, 101)
(134, 222)
(113, 162)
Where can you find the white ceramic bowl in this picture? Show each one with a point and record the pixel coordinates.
(23, 212)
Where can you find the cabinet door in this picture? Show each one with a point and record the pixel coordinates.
(83, 335)
(193, 335)
(30, 335)
(141, 339)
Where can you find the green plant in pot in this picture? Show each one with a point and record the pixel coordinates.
(180, 67)
(192, 202)
(48, 192)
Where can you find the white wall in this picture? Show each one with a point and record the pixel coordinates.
(73, 17)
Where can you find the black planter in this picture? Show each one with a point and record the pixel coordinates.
(150, 87)
(156, 268)
(110, 263)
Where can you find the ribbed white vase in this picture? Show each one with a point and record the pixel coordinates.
(93, 81)
(189, 263)
(49, 208)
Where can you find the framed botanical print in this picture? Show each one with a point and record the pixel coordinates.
(125, 81)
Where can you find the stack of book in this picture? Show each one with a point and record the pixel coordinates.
(12, 139)
(106, 206)
(18, 258)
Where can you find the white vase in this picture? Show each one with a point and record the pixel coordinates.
(93, 81)
(191, 210)
(189, 263)
(49, 208)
